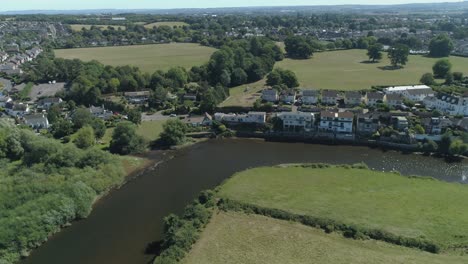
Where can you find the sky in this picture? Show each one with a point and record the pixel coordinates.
(14, 5)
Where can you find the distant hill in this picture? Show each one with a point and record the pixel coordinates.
(421, 7)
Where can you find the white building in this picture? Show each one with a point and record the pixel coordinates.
(330, 97)
(297, 120)
(270, 95)
(337, 122)
(100, 112)
(374, 98)
(451, 104)
(37, 121)
(249, 118)
(415, 93)
(289, 97)
(310, 97)
(18, 110)
(353, 98)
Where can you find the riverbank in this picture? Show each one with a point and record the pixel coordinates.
(127, 220)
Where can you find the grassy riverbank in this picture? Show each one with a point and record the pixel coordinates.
(239, 238)
(417, 208)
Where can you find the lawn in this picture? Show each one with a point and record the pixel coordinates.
(244, 95)
(78, 27)
(150, 130)
(166, 23)
(148, 58)
(409, 207)
(235, 238)
(348, 70)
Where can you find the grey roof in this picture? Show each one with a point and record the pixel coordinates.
(353, 94)
(394, 97)
(330, 93)
(420, 91)
(448, 98)
(375, 96)
(313, 93)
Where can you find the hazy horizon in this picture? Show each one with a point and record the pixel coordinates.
(20, 5)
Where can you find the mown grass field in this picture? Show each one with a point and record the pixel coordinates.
(150, 130)
(166, 23)
(148, 58)
(409, 207)
(79, 27)
(244, 95)
(235, 238)
(349, 70)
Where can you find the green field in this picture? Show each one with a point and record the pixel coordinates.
(239, 238)
(78, 27)
(150, 130)
(408, 207)
(244, 95)
(345, 70)
(148, 57)
(166, 23)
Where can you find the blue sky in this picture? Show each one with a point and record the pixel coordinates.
(8, 5)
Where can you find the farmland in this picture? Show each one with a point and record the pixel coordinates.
(148, 58)
(349, 70)
(166, 23)
(407, 207)
(239, 238)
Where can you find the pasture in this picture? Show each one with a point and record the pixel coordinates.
(235, 238)
(407, 207)
(350, 70)
(148, 58)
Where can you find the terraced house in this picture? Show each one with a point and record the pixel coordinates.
(336, 122)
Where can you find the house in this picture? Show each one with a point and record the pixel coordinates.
(46, 103)
(270, 95)
(374, 98)
(369, 123)
(249, 118)
(436, 125)
(310, 97)
(3, 56)
(446, 103)
(100, 112)
(353, 98)
(415, 93)
(330, 97)
(12, 48)
(394, 100)
(400, 122)
(190, 97)
(196, 121)
(297, 121)
(288, 97)
(140, 97)
(17, 109)
(10, 69)
(4, 100)
(336, 122)
(37, 121)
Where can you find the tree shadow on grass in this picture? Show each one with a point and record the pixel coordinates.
(369, 62)
(390, 68)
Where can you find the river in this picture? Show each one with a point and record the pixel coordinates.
(124, 222)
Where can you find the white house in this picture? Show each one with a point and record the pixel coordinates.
(330, 97)
(310, 97)
(337, 122)
(100, 112)
(353, 98)
(46, 103)
(140, 97)
(4, 99)
(297, 120)
(37, 121)
(374, 98)
(18, 110)
(394, 100)
(288, 97)
(249, 118)
(270, 95)
(451, 104)
(415, 93)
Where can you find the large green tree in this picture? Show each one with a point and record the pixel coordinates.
(441, 68)
(398, 55)
(85, 137)
(440, 46)
(125, 139)
(174, 132)
(374, 52)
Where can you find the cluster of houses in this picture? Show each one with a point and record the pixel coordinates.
(13, 59)
(392, 96)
